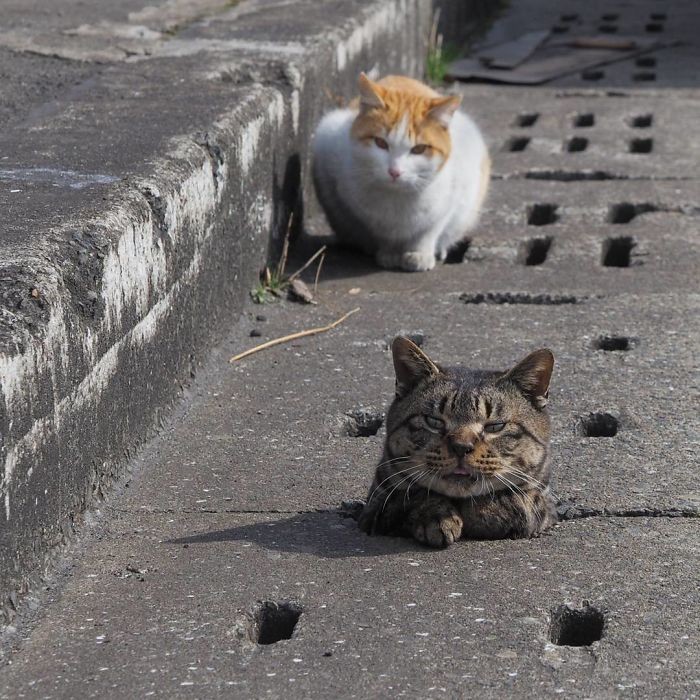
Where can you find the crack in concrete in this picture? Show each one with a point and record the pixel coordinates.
(573, 511)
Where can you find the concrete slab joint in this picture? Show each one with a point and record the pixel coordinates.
(148, 197)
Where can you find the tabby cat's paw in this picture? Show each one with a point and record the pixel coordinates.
(415, 261)
(440, 529)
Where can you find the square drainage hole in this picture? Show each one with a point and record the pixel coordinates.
(456, 254)
(542, 214)
(535, 251)
(528, 119)
(516, 144)
(597, 425)
(585, 119)
(577, 144)
(617, 252)
(641, 121)
(362, 422)
(610, 17)
(658, 16)
(624, 212)
(272, 622)
(560, 29)
(607, 28)
(644, 77)
(613, 343)
(576, 627)
(641, 145)
(593, 75)
(568, 18)
(654, 27)
(645, 62)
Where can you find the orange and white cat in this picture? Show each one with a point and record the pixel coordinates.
(401, 173)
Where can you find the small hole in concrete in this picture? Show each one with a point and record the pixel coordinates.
(644, 77)
(516, 144)
(596, 425)
(612, 343)
(607, 28)
(528, 119)
(455, 255)
(645, 62)
(624, 212)
(584, 120)
(559, 29)
(654, 27)
(658, 16)
(521, 298)
(642, 121)
(610, 17)
(542, 214)
(577, 144)
(568, 18)
(592, 75)
(576, 627)
(535, 250)
(641, 145)
(617, 252)
(363, 422)
(273, 622)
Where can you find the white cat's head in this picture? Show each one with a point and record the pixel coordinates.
(401, 135)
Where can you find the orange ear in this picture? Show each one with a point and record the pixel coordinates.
(442, 108)
(370, 93)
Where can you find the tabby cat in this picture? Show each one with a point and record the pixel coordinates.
(401, 173)
(465, 452)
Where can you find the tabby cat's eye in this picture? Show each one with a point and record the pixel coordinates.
(420, 148)
(435, 423)
(494, 427)
(381, 143)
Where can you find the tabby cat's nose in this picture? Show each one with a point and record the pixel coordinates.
(461, 448)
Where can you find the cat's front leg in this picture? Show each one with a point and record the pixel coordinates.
(508, 515)
(409, 260)
(433, 521)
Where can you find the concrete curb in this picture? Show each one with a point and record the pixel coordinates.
(107, 304)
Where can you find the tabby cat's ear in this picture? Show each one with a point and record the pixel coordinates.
(369, 93)
(411, 365)
(443, 108)
(532, 376)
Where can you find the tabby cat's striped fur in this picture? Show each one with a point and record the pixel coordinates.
(466, 452)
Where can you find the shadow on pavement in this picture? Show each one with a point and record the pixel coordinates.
(326, 535)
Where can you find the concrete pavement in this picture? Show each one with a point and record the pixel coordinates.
(232, 531)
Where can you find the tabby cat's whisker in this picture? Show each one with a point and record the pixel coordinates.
(391, 476)
(406, 478)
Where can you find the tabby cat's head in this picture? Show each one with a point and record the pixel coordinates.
(401, 133)
(469, 432)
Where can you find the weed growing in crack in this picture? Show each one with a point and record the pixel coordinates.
(440, 55)
(275, 283)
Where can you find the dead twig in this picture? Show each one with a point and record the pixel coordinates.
(294, 336)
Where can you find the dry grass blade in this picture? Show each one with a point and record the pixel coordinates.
(294, 336)
(318, 271)
(285, 247)
(293, 276)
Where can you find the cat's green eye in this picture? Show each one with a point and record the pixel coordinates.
(494, 427)
(420, 148)
(435, 423)
(381, 143)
